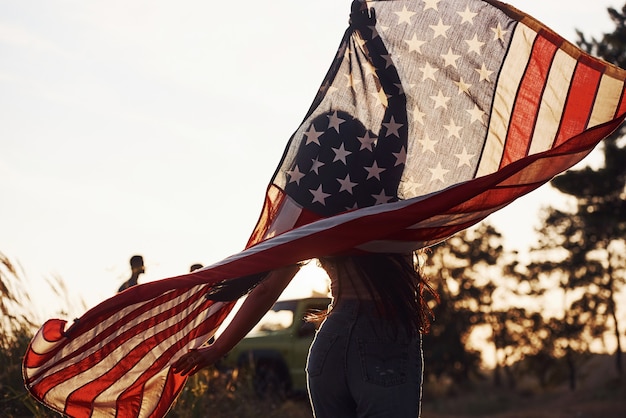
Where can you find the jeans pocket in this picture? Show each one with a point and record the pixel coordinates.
(384, 362)
(320, 348)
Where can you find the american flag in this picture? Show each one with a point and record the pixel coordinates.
(433, 115)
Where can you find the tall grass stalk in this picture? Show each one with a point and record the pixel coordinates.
(17, 326)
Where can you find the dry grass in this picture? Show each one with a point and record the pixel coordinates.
(223, 398)
(214, 394)
(601, 394)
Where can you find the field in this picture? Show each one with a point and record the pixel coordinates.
(213, 394)
(601, 394)
(604, 403)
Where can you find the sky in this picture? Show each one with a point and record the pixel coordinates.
(154, 127)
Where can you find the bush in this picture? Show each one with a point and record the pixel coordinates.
(16, 331)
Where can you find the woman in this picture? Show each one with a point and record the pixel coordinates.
(366, 358)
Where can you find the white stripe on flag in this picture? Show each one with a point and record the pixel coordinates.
(77, 344)
(511, 72)
(120, 352)
(610, 94)
(553, 102)
(286, 218)
(153, 389)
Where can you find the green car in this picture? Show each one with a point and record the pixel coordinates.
(276, 349)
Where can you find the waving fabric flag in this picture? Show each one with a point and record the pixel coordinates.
(433, 115)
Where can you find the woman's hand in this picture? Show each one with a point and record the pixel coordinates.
(195, 360)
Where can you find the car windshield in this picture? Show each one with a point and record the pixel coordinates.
(278, 318)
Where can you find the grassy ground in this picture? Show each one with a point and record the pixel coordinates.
(211, 394)
(604, 401)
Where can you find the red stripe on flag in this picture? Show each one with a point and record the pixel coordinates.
(580, 100)
(621, 109)
(94, 358)
(81, 400)
(51, 332)
(524, 116)
(274, 199)
(306, 217)
(126, 400)
(77, 330)
(173, 386)
(136, 389)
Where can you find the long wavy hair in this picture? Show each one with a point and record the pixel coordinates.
(395, 281)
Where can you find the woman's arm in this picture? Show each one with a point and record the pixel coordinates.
(256, 304)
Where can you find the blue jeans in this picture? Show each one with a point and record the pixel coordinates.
(362, 364)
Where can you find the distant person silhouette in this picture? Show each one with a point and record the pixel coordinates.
(137, 268)
(195, 267)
